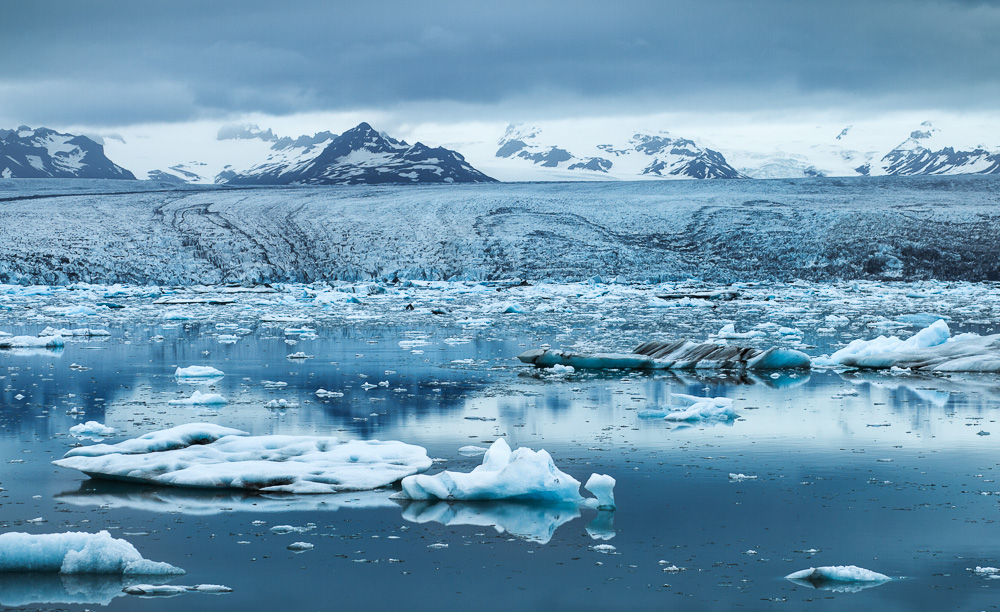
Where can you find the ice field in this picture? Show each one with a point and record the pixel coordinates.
(873, 488)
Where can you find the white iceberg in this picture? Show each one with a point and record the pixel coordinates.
(200, 399)
(204, 455)
(679, 355)
(75, 552)
(91, 429)
(839, 578)
(523, 474)
(197, 371)
(77, 333)
(7, 342)
(932, 348)
(728, 332)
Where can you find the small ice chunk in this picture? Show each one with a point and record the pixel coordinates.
(300, 546)
(197, 371)
(822, 577)
(472, 451)
(703, 409)
(603, 487)
(734, 477)
(169, 590)
(75, 552)
(201, 399)
(91, 429)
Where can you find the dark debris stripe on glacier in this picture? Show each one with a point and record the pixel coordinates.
(875, 228)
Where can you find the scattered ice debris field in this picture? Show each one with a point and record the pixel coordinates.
(720, 481)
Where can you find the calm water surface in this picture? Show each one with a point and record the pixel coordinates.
(892, 473)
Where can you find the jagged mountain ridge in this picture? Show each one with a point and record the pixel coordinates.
(912, 158)
(651, 155)
(43, 153)
(360, 155)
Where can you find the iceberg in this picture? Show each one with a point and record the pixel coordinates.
(697, 409)
(523, 474)
(203, 455)
(839, 578)
(91, 429)
(678, 355)
(200, 399)
(8, 342)
(76, 333)
(196, 371)
(75, 552)
(931, 349)
(169, 590)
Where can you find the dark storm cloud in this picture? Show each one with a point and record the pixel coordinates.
(119, 62)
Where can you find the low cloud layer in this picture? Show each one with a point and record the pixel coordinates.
(116, 63)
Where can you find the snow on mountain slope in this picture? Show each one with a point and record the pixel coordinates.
(44, 153)
(360, 155)
(917, 156)
(642, 155)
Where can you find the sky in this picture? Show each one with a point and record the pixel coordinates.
(109, 63)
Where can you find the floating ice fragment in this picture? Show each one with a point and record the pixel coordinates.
(75, 552)
(603, 488)
(197, 371)
(728, 332)
(7, 342)
(703, 409)
(82, 332)
(298, 355)
(300, 546)
(204, 455)
(733, 477)
(931, 348)
(839, 578)
(324, 393)
(523, 474)
(472, 451)
(169, 590)
(280, 403)
(201, 399)
(91, 429)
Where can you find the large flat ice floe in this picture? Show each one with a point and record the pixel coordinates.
(523, 474)
(204, 455)
(678, 355)
(932, 348)
(841, 578)
(75, 552)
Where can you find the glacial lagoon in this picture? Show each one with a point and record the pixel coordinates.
(895, 471)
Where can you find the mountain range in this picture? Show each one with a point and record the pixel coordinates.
(248, 155)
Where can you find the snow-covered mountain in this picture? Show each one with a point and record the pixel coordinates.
(43, 153)
(360, 155)
(916, 157)
(642, 155)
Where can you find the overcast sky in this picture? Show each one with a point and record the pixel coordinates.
(110, 63)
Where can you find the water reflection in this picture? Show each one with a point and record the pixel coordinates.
(532, 521)
(19, 589)
(108, 494)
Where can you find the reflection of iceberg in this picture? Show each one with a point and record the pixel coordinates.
(204, 455)
(933, 389)
(532, 521)
(838, 578)
(679, 355)
(931, 348)
(603, 525)
(206, 502)
(18, 589)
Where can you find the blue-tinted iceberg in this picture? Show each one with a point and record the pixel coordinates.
(204, 455)
(679, 355)
(75, 552)
(839, 578)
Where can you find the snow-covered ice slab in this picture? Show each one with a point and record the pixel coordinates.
(197, 371)
(82, 332)
(679, 355)
(75, 552)
(840, 578)
(169, 590)
(200, 399)
(523, 474)
(91, 429)
(531, 521)
(7, 342)
(932, 348)
(204, 455)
